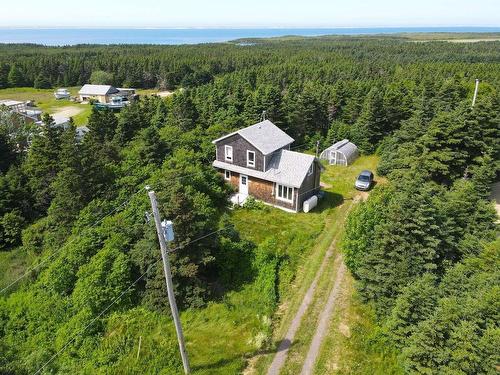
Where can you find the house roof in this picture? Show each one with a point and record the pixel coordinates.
(97, 90)
(286, 167)
(264, 136)
(10, 103)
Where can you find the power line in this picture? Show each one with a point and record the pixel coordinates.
(97, 317)
(66, 244)
(51, 256)
(116, 299)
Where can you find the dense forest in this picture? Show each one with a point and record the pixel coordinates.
(422, 248)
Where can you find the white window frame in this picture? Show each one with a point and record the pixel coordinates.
(227, 175)
(311, 169)
(250, 163)
(228, 153)
(288, 190)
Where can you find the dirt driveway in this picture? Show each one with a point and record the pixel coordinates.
(68, 111)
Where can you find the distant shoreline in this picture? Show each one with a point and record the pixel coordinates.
(161, 36)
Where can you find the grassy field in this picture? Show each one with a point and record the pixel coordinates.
(13, 264)
(44, 99)
(330, 215)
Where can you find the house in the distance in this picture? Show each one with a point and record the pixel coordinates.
(25, 109)
(258, 162)
(105, 94)
(99, 93)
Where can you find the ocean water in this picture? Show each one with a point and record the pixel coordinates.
(59, 37)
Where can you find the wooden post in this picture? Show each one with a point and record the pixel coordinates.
(168, 279)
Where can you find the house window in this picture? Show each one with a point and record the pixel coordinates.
(250, 159)
(227, 175)
(284, 193)
(229, 153)
(311, 170)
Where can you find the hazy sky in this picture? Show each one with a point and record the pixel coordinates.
(251, 13)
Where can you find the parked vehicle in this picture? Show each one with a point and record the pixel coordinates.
(364, 181)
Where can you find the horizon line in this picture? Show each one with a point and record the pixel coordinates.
(239, 27)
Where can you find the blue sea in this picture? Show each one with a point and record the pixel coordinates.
(60, 37)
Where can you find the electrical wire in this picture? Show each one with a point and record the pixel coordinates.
(51, 256)
(116, 299)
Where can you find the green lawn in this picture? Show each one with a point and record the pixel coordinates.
(45, 100)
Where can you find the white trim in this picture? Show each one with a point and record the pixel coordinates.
(282, 188)
(250, 164)
(311, 169)
(227, 175)
(228, 153)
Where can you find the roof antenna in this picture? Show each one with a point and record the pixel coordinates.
(475, 93)
(263, 116)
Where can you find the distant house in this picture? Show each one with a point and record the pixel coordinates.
(100, 93)
(258, 162)
(29, 113)
(340, 153)
(107, 95)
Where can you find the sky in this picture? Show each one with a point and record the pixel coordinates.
(249, 13)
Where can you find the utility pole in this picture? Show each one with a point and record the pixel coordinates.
(475, 93)
(168, 278)
(317, 148)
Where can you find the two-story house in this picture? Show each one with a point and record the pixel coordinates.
(258, 162)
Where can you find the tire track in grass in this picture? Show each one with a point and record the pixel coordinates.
(324, 320)
(285, 344)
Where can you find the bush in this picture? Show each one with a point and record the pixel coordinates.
(33, 237)
(10, 229)
(100, 77)
(252, 204)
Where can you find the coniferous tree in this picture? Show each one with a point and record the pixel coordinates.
(42, 82)
(369, 127)
(16, 77)
(43, 163)
(161, 114)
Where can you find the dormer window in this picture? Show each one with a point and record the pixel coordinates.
(228, 150)
(251, 159)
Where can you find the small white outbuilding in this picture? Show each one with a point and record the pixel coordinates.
(340, 153)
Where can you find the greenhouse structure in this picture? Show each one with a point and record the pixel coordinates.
(340, 153)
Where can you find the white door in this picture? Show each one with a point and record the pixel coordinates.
(243, 184)
(333, 157)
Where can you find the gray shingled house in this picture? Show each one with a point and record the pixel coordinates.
(258, 162)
